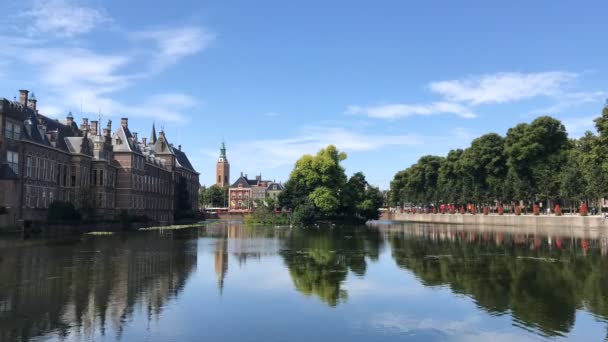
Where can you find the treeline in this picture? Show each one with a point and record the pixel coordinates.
(534, 162)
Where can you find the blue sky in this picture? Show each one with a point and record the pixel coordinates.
(385, 81)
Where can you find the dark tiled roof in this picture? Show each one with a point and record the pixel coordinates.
(244, 182)
(271, 185)
(183, 160)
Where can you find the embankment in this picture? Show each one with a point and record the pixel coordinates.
(542, 221)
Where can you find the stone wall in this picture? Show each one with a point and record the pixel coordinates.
(541, 221)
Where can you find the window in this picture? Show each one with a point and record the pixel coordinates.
(42, 174)
(28, 166)
(12, 130)
(12, 159)
(101, 177)
(35, 168)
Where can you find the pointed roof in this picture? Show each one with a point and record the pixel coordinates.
(153, 134)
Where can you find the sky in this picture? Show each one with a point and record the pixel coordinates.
(385, 81)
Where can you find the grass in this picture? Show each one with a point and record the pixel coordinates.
(177, 227)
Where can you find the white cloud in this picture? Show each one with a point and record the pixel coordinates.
(569, 100)
(176, 43)
(285, 151)
(73, 77)
(503, 87)
(62, 18)
(398, 110)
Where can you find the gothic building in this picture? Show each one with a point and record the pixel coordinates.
(43, 160)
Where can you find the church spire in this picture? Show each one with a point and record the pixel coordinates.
(153, 134)
(223, 151)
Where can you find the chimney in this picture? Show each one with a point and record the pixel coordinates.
(109, 127)
(85, 125)
(23, 97)
(106, 132)
(144, 140)
(134, 136)
(94, 126)
(124, 122)
(69, 120)
(241, 173)
(179, 147)
(32, 102)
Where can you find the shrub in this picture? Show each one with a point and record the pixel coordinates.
(473, 210)
(452, 210)
(60, 211)
(584, 211)
(501, 210)
(558, 210)
(486, 210)
(517, 210)
(535, 210)
(462, 210)
(305, 213)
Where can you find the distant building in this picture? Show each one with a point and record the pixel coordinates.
(245, 193)
(222, 169)
(43, 160)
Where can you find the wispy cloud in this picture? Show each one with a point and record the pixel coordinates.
(503, 87)
(398, 110)
(308, 141)
(75, 76)
(462, 96)
(62, 18)
(173, 44)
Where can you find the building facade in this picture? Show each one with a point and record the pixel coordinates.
(245, 193)
(43, 160)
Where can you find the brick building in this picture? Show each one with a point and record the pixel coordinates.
(43, 160)
(245, 193)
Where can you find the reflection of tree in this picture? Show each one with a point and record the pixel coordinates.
(81, 287)
(319, 259)
(540, 280)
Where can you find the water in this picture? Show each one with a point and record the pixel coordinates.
(385, 282)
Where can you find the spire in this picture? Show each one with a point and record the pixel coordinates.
(153, 134)
(223, 151)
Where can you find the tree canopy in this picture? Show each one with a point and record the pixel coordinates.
(318, 188)
(534, 162)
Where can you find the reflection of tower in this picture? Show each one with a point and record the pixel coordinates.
(223, 169)
(221, 262)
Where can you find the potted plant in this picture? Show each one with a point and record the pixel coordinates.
(517, 210)
(486, 211)
(501, 210)
(535, 210)
(558, 210)
(584, 211)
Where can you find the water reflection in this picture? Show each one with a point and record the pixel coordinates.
(539, 278)
(90, 285)
(521, 282)
(319, 259)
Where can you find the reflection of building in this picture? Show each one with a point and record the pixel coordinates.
(221, 262)
(43, 160)
(46, 293)
(245, 193)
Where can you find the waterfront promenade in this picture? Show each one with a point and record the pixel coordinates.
(544, 221)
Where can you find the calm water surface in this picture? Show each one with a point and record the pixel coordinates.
(383, 282)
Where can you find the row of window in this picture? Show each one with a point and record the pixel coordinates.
(151, 184)
(101, 178)
(40, 197)
(145, 202)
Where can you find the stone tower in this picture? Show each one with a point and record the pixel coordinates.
(223, 169)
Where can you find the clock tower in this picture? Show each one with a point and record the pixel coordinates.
(223, 169)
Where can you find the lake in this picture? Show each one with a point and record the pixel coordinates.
(381, 282)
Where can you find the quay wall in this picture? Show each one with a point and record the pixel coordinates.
(541, 221)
